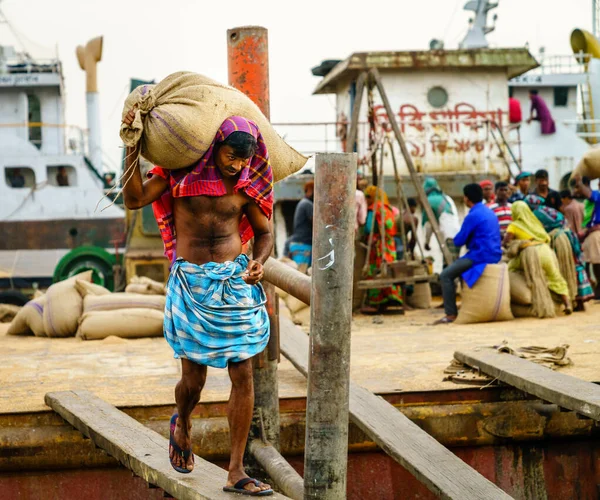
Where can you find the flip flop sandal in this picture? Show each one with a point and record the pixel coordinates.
(239, 488)
(443, 321)
(174, 446)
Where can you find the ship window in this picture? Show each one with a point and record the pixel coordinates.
(437, 97)
(35, 119)
(62, 175)
(19, 177)
(561, 96)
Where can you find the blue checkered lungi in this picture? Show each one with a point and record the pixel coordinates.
(212, 316)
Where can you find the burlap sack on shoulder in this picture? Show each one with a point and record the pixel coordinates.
(489, 299)
(589, 165)
(177, 119)
(124, 323)
(64, 306)
(30, 319)
(116, 301)
(520, 293)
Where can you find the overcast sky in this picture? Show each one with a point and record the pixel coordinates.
(152, 38)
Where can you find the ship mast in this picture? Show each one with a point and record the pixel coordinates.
(475, 38)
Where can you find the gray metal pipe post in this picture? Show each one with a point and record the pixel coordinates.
(326, 449)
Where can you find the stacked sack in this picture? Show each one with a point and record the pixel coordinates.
(489, 299)
(79, 307)
(521, 297)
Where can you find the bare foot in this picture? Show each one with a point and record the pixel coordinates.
(183, 438)
(235, 475)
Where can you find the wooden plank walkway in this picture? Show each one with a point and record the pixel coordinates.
(138, 448)
(564, 390)
(435, 466)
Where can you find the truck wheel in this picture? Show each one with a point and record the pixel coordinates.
(13, 297)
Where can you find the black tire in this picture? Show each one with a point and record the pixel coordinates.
(13, 297)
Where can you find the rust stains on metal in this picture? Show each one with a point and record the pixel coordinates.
(516, 61)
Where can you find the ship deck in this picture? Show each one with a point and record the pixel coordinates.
(404, 354)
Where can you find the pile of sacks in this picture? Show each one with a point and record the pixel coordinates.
(299, 311)
(78, 307)
(521, 299)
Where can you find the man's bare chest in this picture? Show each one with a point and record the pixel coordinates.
(229, 206)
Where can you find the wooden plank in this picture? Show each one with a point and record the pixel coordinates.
(565, 391)
(138, 448)
(385, 282)
(435, 466)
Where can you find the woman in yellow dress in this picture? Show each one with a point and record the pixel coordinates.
(529, 231)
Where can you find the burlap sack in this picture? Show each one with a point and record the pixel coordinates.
(520, 293)
(8, 312)
(421, 296)
(489, 299)
(178, 118)
(152, 285)
(294, 304)
(85, 288)
(123, 301)
(589, 165)
(139, 288)
(527, 311)
(124, 323)
(30, 319)
(64, 306)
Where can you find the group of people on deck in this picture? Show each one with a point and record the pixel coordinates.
(505, 219)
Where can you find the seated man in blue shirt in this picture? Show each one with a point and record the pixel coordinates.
(480, 232)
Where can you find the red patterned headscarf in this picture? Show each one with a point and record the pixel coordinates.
(205, 179)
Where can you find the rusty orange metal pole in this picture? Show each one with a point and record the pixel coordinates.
(248, 56)
(248, 62)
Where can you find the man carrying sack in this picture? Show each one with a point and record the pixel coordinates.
(215, 311)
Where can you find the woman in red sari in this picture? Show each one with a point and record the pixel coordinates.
(380, 215)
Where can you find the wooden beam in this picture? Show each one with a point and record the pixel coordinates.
(435, 466)
(358, 97)
(374, 73)
(385, 282)
(138, 448)
(276, 466)
(326, 443)
(563, 390)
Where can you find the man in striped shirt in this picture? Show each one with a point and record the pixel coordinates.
(501, 207)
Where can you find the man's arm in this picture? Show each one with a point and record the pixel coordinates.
(263, 242)
(465, 231)
(138, 193)
(582, 188)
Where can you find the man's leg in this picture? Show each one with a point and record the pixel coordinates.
(239, 415)
(187, 395)
(447, 278)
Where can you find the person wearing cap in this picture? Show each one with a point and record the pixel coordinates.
(520, 189)
(488, 191)
(542, 189)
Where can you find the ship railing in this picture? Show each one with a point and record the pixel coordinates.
(75, 136)
(460, 141)
(585, 128)
(561, 64)
(24, 66)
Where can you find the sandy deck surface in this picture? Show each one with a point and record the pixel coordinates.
(403, 353)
